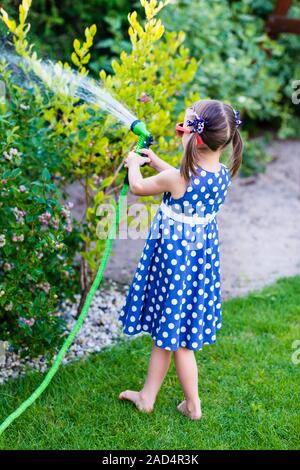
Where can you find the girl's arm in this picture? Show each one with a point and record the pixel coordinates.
(166, 180)
(157, 163)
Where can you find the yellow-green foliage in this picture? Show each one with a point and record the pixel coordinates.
(19, 31)
(149, 81)
(81, 54)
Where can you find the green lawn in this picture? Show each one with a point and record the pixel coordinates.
(248, 384)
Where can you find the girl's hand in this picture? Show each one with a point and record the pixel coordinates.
(135, 159)
(154, 159)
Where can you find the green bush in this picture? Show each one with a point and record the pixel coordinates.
(38, 239)
(289, 70)
(55, 23)
(241, 65)
(238, 62)
(86, 145)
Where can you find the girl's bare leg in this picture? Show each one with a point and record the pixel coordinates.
(157, 369)
(187, 371)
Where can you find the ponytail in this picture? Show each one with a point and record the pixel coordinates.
(189, 159)
(237, 153)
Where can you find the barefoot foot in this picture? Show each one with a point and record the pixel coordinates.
(193, 413)
(140, 402)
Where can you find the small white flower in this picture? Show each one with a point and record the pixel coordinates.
(8, 156)
(12, 153)
(2, 240)
(242, 99)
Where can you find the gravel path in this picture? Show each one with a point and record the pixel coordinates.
(259, 227)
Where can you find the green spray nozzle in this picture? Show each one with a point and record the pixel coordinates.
(139, 128)
(145, 139)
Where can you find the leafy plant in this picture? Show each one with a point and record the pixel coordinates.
(36, 271)
(146, 81)
(55, 22)
(237, 59)
(38, 236)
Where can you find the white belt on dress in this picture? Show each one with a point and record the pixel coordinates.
(188, 219)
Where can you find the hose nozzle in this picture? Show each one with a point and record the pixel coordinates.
(145, 139)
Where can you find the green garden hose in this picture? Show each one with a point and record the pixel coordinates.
(145, 140)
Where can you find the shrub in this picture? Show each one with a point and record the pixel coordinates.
(238, 59)
(289, 71)
(54, 23)
(241, 65)
(38, 237)
(36, 271)
(146, 80)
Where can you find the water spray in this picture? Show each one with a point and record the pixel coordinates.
(87, 90)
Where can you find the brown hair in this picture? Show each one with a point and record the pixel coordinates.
(220, 131)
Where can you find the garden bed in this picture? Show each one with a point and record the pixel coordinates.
(100, 329)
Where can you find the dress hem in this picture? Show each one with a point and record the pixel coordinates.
(168, 348)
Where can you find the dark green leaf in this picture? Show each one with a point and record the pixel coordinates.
(46, 175)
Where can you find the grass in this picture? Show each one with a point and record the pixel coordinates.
(248, 384)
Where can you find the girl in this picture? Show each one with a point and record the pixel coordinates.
(175, 294)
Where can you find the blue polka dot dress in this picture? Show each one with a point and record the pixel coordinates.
(175, 293)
